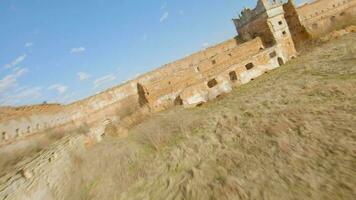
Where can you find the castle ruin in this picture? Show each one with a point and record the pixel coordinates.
(268, 36)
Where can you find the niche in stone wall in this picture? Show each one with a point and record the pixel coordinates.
(28, 129)
(249, 66)
(17, 131)
(142, 98)
(178, 101)
(212, 83)
(273, 54)
(233, 76)
(332, 18)
(4, 135)
(280, 61)
(315, 26)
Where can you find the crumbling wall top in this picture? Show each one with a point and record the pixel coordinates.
(247, 15)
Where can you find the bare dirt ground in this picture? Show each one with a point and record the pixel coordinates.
(290, 134)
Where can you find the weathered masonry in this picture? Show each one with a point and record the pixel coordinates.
(268, 36)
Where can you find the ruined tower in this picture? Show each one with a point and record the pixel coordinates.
(266, 21)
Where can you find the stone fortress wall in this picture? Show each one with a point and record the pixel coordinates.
(268, 37)
(320, 16)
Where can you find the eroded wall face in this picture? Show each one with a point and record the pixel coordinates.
(257, 28)
(298, 32)
(168, 88)
(158, 89)
(186, 80)
(282, 35)
(322, 16)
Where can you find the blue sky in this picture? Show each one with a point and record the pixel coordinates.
(65, 50)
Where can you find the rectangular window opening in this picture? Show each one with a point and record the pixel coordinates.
(249, 66)
(212, 83)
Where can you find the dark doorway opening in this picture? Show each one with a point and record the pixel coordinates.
(141, 91)
(178, 101)
(233, 76)
(280, 61)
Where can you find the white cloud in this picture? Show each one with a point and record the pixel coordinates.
(104, 80)
(17, 61)
(83, 76)
(11, 93)
(22, 95)
(205, 44)
(164, 5)
(29, 44)
(61, 89)
(164, 17)
(77, 50)
(10, 81)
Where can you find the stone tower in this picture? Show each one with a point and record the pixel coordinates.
(267, 21)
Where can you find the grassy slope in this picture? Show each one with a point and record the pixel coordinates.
(288, 134)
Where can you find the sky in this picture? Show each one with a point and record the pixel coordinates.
(60, 51)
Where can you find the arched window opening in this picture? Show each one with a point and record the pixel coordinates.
(280, 61)
(233, 76)
(3, 135)
(178, 101)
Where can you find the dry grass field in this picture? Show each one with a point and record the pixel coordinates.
(290, 134)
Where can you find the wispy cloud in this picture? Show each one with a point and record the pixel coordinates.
(164, 5)
(83, 76)
(144, 37)
(104, 80)
(12, 93)
(205, 44)
(77, 50)
(61, 89)
(10, 81)
(181, 12)
(164, 17)
(17, 61)
(22, 95)
(29, 44)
